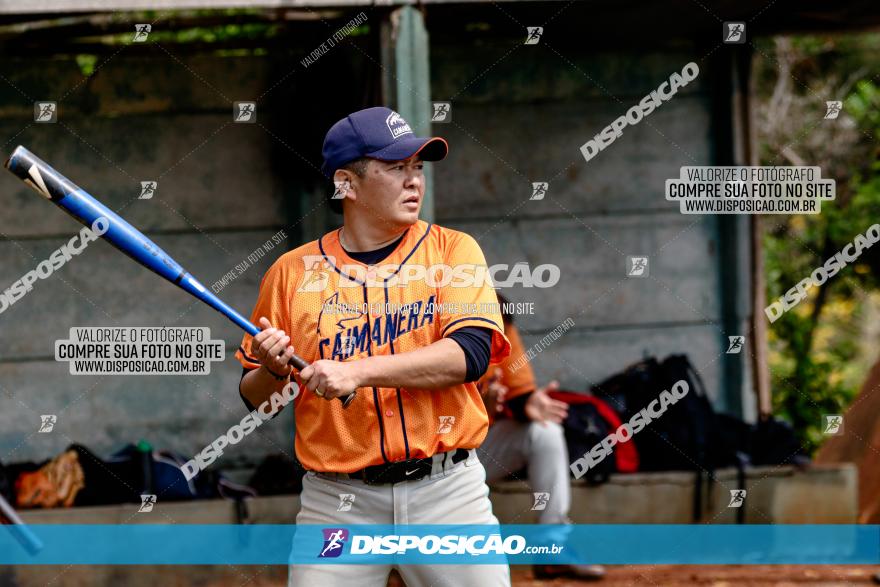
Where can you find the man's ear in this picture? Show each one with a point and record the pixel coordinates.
(341, 175)
(344, 181)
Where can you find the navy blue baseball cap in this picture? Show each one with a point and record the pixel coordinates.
(379, 133)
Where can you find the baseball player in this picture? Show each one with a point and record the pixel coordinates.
(526, 433)
(372, 307)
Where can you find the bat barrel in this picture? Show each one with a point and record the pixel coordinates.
(18, 528)
(87, 210)
(48, 183)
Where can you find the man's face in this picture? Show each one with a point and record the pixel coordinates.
(390, 192)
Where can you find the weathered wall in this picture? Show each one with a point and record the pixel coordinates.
(523, 121)
(225, 188)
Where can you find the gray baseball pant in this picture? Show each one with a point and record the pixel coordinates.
(452, 494)
(512, 445)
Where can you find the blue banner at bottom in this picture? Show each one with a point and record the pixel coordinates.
(148, 544)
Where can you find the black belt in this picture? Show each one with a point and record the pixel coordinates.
(408, 470)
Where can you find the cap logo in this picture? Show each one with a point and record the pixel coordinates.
(397, 125)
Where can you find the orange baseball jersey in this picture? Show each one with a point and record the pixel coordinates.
(334, 307)
(519, 380)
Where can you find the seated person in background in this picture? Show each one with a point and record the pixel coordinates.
(525, 431)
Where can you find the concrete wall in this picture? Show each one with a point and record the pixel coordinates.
(783, 495)
(225, 188)
(524, 120)
(825, 494)
(774, 495)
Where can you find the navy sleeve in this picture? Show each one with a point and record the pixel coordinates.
(247, 403)
(476, 343)
(250, 407)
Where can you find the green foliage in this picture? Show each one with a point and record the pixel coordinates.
(863, 104)
(807, 384)
(230, 30)
(817, 356)
(223, 27)
(86, 64)
(203, 34)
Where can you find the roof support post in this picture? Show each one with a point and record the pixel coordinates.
(406, 79)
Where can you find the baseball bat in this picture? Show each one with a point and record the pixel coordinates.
(87, 209)
(18, 528)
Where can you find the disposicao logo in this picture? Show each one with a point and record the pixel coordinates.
(334, 541)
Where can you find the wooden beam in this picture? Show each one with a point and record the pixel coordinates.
(406, 79)
(747, 141)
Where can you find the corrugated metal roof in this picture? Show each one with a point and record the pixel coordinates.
(764, 16)
(68, 6)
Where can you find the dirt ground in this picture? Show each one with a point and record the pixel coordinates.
(668, 576)
(715, 576)
(276, 576)
(718, 576)
(675, 575)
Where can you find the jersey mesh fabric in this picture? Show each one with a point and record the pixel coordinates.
(472, 340)
(336, 308)
(518, 378)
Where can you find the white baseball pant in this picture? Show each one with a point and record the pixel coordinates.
(512, 445)
(452, 494)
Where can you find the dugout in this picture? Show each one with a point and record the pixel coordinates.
(162, 111)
